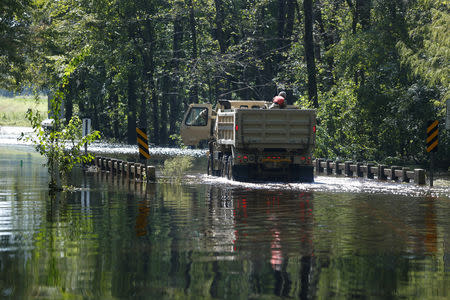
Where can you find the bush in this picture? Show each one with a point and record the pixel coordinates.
(176, 167)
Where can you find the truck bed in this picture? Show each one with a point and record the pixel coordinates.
(290, 129)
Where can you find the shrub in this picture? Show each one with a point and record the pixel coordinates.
(175, 168)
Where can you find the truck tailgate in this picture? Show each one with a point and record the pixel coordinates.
(289, 129)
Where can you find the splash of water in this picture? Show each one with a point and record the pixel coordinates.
(335, 185)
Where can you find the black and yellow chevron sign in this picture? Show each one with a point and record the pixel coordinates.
(432, 136)
(142, 141)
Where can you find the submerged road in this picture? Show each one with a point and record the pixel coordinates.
(210, 237)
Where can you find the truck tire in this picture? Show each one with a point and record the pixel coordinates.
(209, 168)
(230, 169)
(223, 169)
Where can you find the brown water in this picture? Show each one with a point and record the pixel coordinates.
(211, 238)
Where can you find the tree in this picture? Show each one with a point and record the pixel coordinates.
(427, 49)
(309, 53)
(14, 42)
(61, 144)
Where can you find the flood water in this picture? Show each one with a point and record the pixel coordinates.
(210, 238)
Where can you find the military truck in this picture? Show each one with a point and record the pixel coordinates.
(249, 142)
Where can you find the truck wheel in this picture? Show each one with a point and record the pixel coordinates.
(209, 168)
(230, 169)
(224, 167)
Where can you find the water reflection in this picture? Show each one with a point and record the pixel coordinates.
(114, 238)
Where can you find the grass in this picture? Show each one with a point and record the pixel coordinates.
(12, 110)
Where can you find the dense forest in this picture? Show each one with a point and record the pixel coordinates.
(375, 70)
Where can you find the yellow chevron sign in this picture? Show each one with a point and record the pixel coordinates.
(142, 141)
(432, 136)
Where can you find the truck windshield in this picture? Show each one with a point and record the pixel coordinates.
(198, 116)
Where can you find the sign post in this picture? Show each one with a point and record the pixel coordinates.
(432, 144)
(86, 131)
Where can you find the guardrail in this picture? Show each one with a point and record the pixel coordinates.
(369, 170)
(140, 172)
(131, 170)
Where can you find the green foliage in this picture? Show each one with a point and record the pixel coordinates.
(14, 42)
(427, 50)
(61, 144)
(177, 141)
(341, 132)
(382, 69)
(175, 168)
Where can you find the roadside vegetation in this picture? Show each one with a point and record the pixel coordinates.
(61, 144)
(13, 109)
(376, 70)
(175, 168)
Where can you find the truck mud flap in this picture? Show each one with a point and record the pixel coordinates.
(305, 174)
(241, 173)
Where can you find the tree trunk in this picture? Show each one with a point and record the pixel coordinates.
(363, 11)
(155, 117)
(327, 38)
(193, 97)
(143, 112)
(290, 16)
(354, 15)
(115, 117)
(131, 115)
(148, 75)
(309, 53)
(174, 80)
(281, 22)
(164, 109)
(220, 18)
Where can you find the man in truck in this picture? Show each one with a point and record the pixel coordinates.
(279, 101)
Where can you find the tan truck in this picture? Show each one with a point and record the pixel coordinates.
(248, 141)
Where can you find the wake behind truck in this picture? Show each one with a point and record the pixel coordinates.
(250, 142)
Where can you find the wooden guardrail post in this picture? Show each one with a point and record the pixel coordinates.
(97, 162)
(359, 172)
(347, 170)
(393, 175)
(337, 168)
(405, 177)
(381, 175)
(329, 168)
(108, 164)
(143, 172)
(114, 166)
(151, 173)
(130, 169)
(319, 168)
(370, 174)
(419, 176)
(138, 169)
(119, 167)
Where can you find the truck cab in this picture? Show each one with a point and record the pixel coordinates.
(197, 124)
